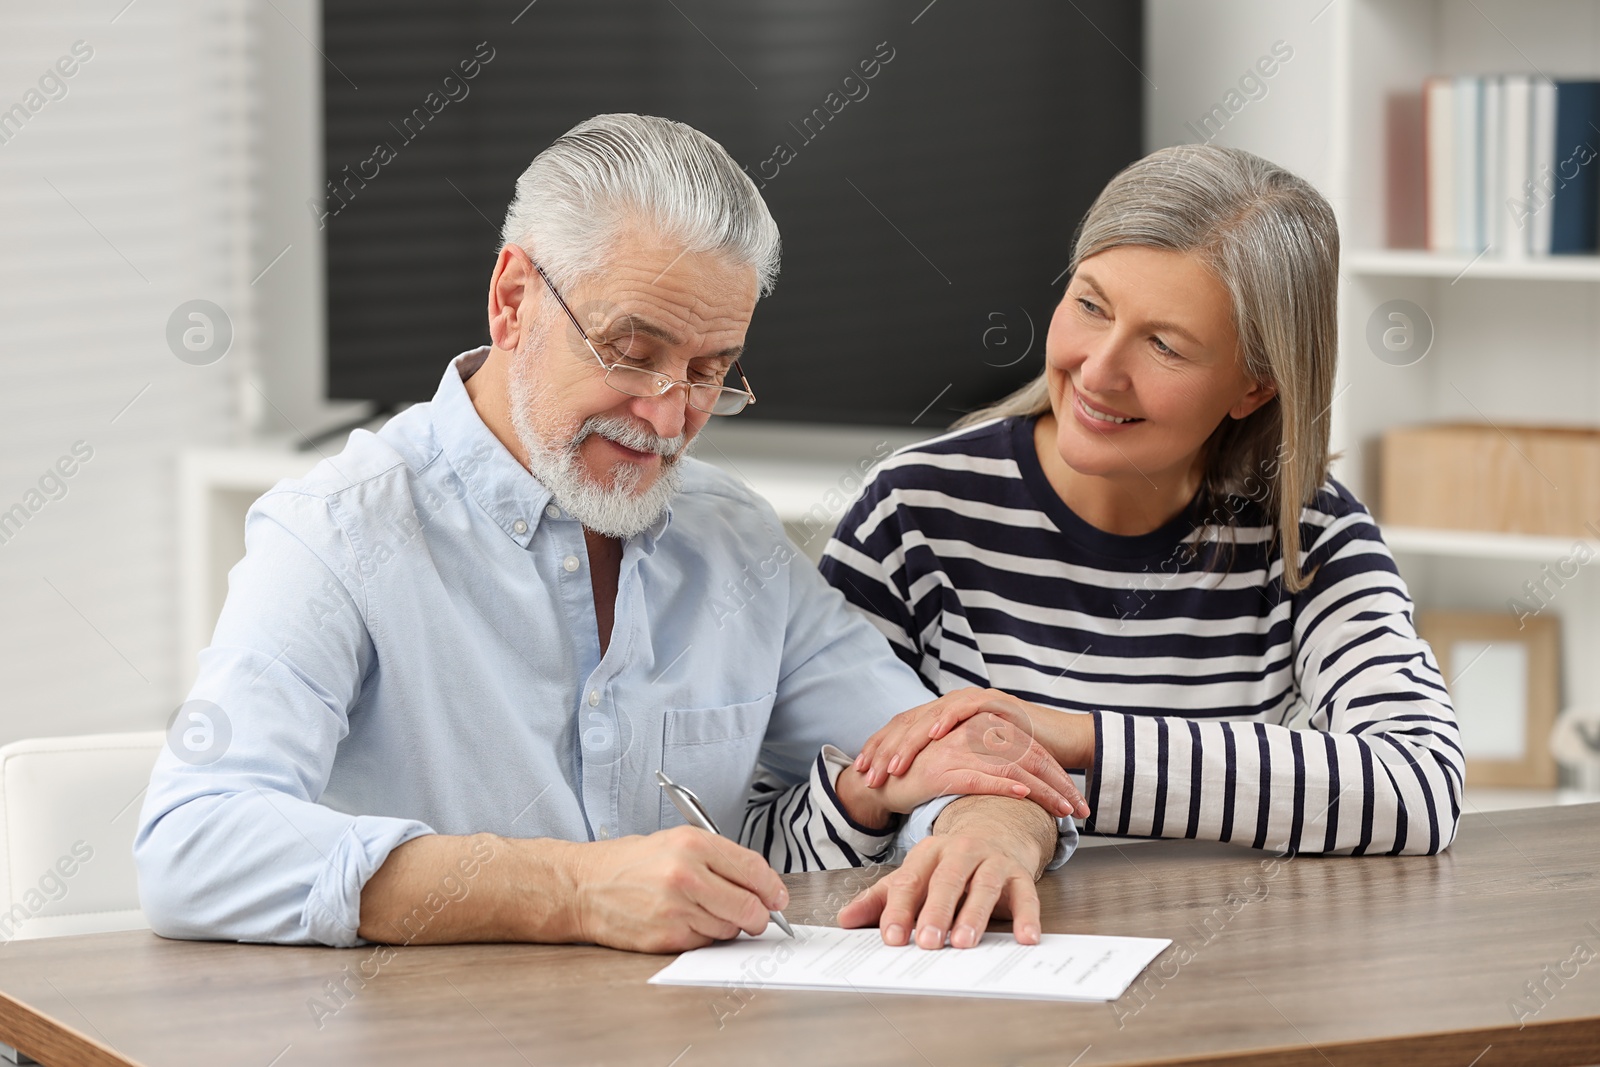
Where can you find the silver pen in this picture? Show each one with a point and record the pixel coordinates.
(695, 814)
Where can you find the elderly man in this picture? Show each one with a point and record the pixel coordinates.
(454, 655)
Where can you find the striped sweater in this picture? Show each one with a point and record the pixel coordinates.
(1226, 708)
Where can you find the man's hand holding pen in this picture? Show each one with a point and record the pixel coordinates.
(687, 887)
(673, 890)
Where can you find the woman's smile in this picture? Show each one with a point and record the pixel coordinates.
(1099, 418)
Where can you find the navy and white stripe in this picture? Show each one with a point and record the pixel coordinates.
(1227, 709)
(804, 827)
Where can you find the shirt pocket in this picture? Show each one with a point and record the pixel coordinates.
(712, 752)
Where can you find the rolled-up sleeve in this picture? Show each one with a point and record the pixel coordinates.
(233, 843)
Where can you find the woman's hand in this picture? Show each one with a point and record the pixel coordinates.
(1000, 735)
(975, 758)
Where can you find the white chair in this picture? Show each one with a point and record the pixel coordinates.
(68, 810)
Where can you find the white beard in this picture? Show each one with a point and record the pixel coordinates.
(618, 510)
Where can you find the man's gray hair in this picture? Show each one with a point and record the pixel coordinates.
(616, 172)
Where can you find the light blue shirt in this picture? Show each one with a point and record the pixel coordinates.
(410, 646)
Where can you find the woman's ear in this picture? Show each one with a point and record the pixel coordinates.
(1258, 394)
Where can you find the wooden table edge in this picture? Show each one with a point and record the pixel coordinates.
(53, 1042)
(1450, 1048)
(58, 1044)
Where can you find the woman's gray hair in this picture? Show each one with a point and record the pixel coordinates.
(616, 172)
(1273, 242)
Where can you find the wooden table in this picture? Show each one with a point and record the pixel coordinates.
(1312, 961)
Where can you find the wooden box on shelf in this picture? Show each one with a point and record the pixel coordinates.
(1508, 479)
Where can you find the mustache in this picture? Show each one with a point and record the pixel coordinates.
(629, 435)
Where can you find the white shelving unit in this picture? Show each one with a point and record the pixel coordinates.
(1515, 341)
(1467, 544)
(1401, 263)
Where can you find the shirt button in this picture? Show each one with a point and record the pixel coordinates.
(570, 564)
(594, 697)
(605, 833)
(520, 527)
(552, 511)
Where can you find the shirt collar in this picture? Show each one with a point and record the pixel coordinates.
(503, 487)
(511, 496)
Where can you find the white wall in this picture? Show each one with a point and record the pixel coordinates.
(1195, 53)
(123, 199)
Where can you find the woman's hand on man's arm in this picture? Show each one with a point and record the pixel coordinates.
(974, 756)
(1002, 737)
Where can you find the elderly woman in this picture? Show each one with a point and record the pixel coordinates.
(1143, 547)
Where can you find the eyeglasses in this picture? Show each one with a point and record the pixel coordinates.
(713, 398)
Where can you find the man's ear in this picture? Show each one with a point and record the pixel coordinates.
(1251, 401)
(514, 283)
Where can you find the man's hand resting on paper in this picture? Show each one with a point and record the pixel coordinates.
(983, 859)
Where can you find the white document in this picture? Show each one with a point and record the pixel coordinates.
(1060, 967)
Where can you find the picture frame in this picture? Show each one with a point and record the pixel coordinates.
(1503, 675)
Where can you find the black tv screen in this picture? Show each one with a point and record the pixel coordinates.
(927, 164)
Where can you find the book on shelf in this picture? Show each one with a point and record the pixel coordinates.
(1510, 166)
(1543, 138)
(1574, 211)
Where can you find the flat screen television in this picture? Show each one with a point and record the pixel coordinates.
(927, 164)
